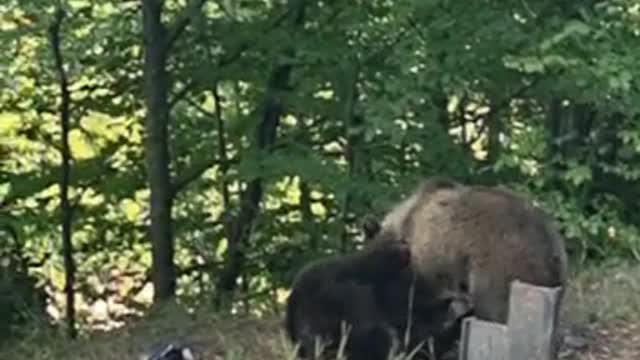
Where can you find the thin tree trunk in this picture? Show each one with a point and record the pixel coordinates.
(495, 128)
(157, 149)
(224, 187)
(350, 97)
(240, 229)
(307, 215)
(554, 128)
(250, 198)
(65, 205)
(222, 148)
(441, 101)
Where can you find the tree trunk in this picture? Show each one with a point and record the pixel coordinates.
(222, 149)
(351, 123)
(307, 215)
(555, 120)
(250, 198)
(157, 151)
(494, 129)
(65, 205)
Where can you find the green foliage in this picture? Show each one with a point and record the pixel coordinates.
(539, 96)
(20, 299)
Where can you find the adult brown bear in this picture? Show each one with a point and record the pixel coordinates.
(472, 240)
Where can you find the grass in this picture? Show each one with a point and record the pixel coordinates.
(603, 294)
(212, 337)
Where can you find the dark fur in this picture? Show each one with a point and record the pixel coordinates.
(370, 227)
(440, 303)
(343, 289)
(480, 238)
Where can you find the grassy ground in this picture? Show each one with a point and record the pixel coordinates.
(213, 338)
(603, 307)
(601, 319)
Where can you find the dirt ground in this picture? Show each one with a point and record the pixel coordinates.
(601, 319)
(616, 341)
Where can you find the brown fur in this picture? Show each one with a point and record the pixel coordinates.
(343, 289)
(482, 237)
(394, 219)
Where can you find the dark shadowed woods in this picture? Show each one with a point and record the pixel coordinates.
(203, 151)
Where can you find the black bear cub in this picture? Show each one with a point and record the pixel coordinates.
(334, 297)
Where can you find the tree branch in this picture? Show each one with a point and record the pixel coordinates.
(182, 21)
(200, 108)
(181, 94)
(222, 158)
(499, 106)
(183, 182)
(224, 9)
(222, 148)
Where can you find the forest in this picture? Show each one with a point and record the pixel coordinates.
(168, 166)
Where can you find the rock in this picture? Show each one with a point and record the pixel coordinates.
(575, 341)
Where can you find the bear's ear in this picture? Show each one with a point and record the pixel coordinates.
(370, 226)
